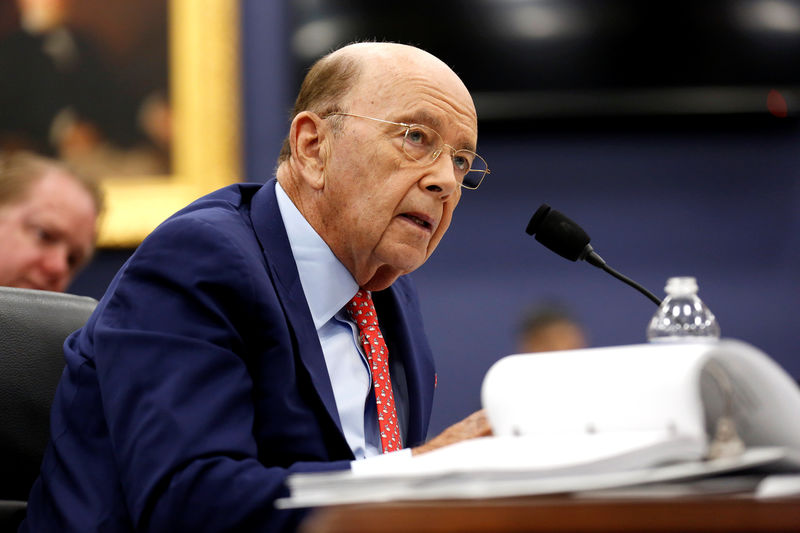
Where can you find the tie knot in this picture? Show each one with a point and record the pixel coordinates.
(362, 310)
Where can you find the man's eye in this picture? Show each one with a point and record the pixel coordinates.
(44, 235)
(462, 163)
(417, 136)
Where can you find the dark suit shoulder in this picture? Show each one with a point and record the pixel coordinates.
(233, 197)
(222, 216)
(207, 249)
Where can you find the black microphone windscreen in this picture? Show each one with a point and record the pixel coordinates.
(558, 233)
(567, 239)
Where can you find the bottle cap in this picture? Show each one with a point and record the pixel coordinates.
(681, 286)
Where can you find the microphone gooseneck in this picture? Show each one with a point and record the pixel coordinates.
(563, 236)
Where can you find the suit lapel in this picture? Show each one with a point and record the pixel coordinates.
(271, 234)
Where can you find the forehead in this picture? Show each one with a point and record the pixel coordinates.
(418, 92)
(63, 202)
(56, 187)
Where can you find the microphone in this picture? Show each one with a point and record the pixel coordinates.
(561, 235)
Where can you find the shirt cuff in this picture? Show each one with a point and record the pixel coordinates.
(379, 463)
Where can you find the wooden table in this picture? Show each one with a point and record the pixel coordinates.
(538, 514)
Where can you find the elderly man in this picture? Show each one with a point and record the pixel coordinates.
(240, 343)
(48, 218)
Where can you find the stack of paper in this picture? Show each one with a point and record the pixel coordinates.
(496, 467)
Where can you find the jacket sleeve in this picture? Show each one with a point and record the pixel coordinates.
(171, 353)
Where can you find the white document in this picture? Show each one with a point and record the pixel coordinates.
(335, 488)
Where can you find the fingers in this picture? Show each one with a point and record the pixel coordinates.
(475, 425)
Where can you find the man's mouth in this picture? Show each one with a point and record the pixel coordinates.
(423, 222)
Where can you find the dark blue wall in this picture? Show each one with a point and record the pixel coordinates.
(703, 199)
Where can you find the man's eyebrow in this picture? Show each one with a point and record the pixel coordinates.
(425, 118)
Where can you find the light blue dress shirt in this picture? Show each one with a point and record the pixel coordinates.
(328, 286)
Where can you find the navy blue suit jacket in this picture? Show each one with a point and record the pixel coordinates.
(199, 383)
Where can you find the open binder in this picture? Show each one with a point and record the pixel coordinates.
(714, 393)
(596, 419)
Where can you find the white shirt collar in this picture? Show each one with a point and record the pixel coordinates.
(327, 284)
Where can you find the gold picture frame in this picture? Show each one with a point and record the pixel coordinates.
(204, 95)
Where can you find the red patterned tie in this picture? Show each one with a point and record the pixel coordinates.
(362, 311)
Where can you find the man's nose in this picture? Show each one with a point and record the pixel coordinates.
(56, 266)
(441, 177)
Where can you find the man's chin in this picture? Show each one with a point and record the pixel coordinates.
(384, 277)
(394, 262)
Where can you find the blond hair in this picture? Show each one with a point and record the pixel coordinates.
(20, 170)
(326, 83)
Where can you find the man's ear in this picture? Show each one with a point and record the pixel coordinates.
(308, 140)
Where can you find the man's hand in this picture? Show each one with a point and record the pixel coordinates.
(475, 425)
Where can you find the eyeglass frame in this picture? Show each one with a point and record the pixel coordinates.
(436, 153)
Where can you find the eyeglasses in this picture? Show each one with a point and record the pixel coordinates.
(425, 145)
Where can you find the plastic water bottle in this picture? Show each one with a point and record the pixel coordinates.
(682, 316)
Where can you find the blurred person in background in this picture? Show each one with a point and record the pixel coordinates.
(48, 222)
(550, 327)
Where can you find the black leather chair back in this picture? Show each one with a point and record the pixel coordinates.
(33, 326)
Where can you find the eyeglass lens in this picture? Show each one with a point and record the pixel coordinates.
(422, 143)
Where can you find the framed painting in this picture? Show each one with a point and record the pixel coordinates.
(203, 76)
